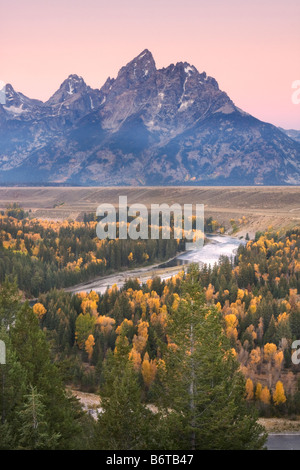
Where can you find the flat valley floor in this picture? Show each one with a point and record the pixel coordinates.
(276, 206)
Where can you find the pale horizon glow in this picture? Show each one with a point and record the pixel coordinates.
(251, 48)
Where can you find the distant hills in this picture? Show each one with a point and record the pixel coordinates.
(292, 134)
(148, 126)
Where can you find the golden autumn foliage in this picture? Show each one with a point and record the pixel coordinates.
(231, 321)
(89, 346)
(258, 390)
(160, 318)
(251, 332)
(176, 301)
(249, 389)
(283, 318)
(240, 294)
(39, 310)
(265, 396)
(253, 305)
(209, 293)
(233, 352)
(136, 359)
(140, 340)
(89, 306)
(255, 356)
(106, 324)
(93, 296)
(231, 324)
(248, 296)
(148, 370)
(278, 394)
(278, 358)
(269, 351)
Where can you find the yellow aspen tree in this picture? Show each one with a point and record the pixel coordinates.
(139, 341)
(161, 318)
(231, 324)
(255, 356)
(136, 359)
(106, 324)
(293, 297)
(82, 295)
(176, 301)
(258, 390)
(231, 321)
(278, 359)
(240, 294)
(39, 310)
(93, 296)
(148, 370)
(249, 389)
(209, 293)
(89, 346)
(269, 351)
(251, 331)
(153, 304)
(233, 352)
(278, 394)
(252, 306)
(89, 306)
(265, 396)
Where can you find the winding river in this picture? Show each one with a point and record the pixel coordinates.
(217, 246)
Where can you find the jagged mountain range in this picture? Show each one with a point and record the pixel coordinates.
(148, 126)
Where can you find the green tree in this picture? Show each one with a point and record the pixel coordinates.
(62, 413)
(124, 422)
(202, 390)
(34, 431)
(85, 325)
(9, 302)
(271, 332)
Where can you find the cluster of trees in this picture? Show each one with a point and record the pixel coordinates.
(198, 395)
(44, 254)
(199, 392)
(36, 412)
(16, 211)
(189, 357)
(259, 307)
(259, 301)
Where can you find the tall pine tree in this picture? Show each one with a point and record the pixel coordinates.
(125, 423)
(202, 390)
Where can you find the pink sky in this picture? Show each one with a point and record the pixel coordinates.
(252, 48)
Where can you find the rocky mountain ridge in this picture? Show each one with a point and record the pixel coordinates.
(147, 126)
